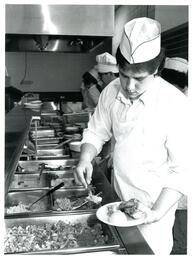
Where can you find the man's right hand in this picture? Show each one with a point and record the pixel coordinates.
(83, 173)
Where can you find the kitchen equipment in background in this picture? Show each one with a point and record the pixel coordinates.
(81, 117)
(75, 148)
(71, 128)
(43, 133)
(71, 107)
(36, 104)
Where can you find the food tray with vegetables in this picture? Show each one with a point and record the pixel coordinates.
(75, 199)
(18, 202)
(74, 233)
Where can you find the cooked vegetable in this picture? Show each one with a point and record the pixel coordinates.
(54, 236)
(39, 206)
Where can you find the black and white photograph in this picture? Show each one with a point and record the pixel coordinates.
(96, 131)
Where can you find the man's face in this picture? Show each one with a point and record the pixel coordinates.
(134, 84)
(105, 77)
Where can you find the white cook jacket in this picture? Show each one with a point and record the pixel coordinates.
(90, 96)
(151, 150)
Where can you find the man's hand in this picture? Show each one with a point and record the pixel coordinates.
(83, 173)
(151, 216)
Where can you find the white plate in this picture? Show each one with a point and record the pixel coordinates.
(103, 216)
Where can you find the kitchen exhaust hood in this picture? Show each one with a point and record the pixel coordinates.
(51, 43)
(63, 28)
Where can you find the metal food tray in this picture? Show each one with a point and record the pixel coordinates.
(50, 152)
(45, 140)
(44, 157)
(44, 133)
(46, 146)
(73, 194)
(67, 177)
(27, 198)
(112, 242)
(31, 181)
(33, 165)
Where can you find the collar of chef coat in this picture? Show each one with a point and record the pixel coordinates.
(144, 98)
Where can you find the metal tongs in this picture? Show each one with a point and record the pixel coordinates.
(85, 201)
(46, 194)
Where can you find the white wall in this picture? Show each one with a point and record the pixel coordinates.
(51, 71)
(123, 15)
(168, 15)
(171, 15)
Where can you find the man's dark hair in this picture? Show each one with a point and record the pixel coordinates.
(175, 77)
(148, 66)
(89, 79)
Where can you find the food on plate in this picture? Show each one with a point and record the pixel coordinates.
(134, 208)
(53, 236)
(118, 217)
(21, 207)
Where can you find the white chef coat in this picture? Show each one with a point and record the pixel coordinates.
(90, 95)
(151, 150)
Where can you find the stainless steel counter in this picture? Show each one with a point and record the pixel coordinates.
(17, 123)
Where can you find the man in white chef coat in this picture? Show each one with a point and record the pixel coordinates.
(146, 116)
(91, 88)
(107, 68)
(108, 71)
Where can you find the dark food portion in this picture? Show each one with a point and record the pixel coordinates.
(130, 207)
(59, 235)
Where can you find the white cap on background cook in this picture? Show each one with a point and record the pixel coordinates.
(106, 63)
(141, 40)
(177, 64)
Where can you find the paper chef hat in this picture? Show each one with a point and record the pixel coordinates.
(141, 40)
(176, 63)
(106, 63)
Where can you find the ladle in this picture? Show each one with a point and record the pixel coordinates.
(47, 193)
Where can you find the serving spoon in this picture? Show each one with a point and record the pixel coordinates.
(47, 193)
